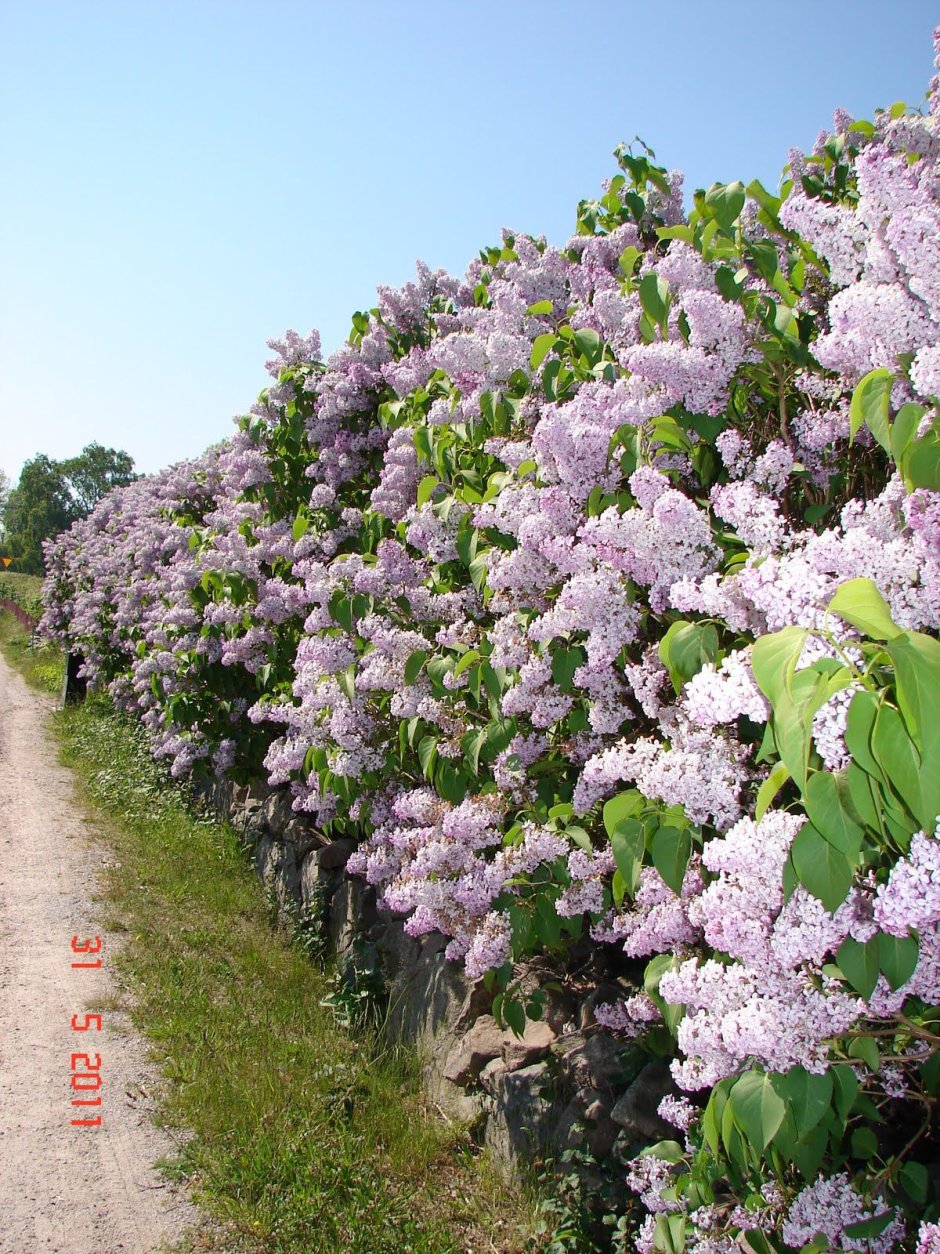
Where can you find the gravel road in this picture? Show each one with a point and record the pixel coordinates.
(64, 1188)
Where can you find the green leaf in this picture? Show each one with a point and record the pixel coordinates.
(438, 668)
(542, 345)
(685, 648)
(422, 442)
(867, 1228)
(427, 755)
(765, 256)
(859, 784)
(774, 659)
(755, 1242)
(580, 837)
(669, 1234)
(865, 1050)
(347, 681)
(588, 343)
(734, 1143)
(859, 963)
(564, 664)
(341, 609)
(449, 782)
(618, 889)
(514, 1015)
(859, 725)
(301, 525)
(916, 659)
(729, 286)
(829, 807)
(897, 957)
(930, 1074)
(920, 464)
(624, 806)
(499, 732)
(692, 647)
(808, 1096)
(900, 763)
(724, 202)
(915, 1179)
(494, 677)
(628, 843)
(821, 868)
(628, 259)
(425, 488)
(666, 431)
(860, 603)
(472, 743)
(711, 1119)
(864, 1143)
(792, 719)
(897, 822)
(871, 402)
(665, 1151)
(769, 789)
(670, 851)
(414, 664)
(466, 660)
(844, 1088)
(758, 1110)
(808, 1155)
(904, 428)
(655, 298)
(656, 968)
(684, 233)
(478, 571)
(540, 307)
(646, 329)
(547, 921)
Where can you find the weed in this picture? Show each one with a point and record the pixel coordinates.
(308, 924)
(358, 996)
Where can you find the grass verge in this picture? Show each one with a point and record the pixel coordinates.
(41, 666)
(298, 1136)
(24, 590)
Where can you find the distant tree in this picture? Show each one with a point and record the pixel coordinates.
(4, 494)
(94, 472)
(39, 507)
(51, 495)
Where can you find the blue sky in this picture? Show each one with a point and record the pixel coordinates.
(183, 179)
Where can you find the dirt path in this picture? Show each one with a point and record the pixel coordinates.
(63, 1188)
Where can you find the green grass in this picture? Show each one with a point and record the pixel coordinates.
(43, 667)
(296, 1135)
(24, 590)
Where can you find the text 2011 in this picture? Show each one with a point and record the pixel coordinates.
(86, 1067)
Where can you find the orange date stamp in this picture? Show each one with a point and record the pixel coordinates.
(85, 1068)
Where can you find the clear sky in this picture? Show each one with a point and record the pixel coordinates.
(180, 180)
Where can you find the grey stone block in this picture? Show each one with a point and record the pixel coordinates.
(636, 1110)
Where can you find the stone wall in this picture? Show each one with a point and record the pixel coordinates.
(564, 1084)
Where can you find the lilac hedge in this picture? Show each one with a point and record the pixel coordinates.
(597, 594)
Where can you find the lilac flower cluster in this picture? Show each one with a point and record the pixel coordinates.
(827, 1207)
